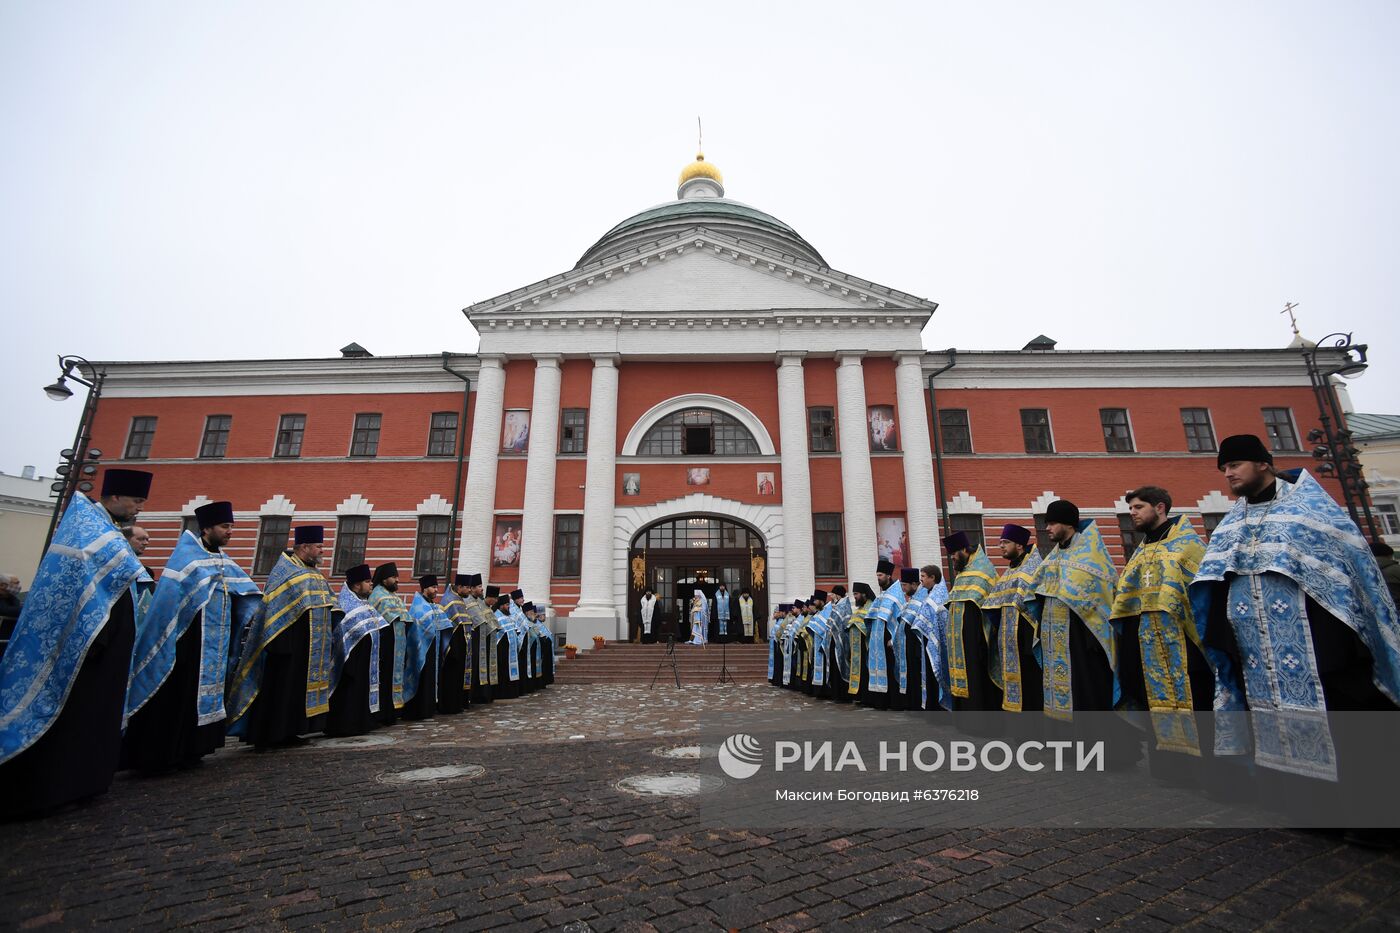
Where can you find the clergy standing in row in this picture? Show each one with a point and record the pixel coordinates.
(393, 641)
(1162, 667)
(282, 683)
(454, 692)
(510, 649)
(1298, 619)
(1013, 628)
(970, 678)
(885, 655)
(355, 694)
(913, 688)
(63, 677)
(426, 626)
(858, 641)
(175, 711)
(485, 630)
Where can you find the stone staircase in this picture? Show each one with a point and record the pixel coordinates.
(624, 663)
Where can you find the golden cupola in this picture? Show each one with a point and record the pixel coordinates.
(700, 179)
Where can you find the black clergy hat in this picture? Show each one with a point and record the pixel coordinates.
(358, 574)
(863, 588)
(1017, 533)
(492, 592)
(819, 596)
(1245, 447)
(799, 603)
(134, 483)
(214, 513)
(517, 594)
(384, 572)
(309, 534)
(839, 590)
(885, 567)
(909, 575)
(528, 607)
(784, 607)
(469, 579)
(957, 541)
(1062, 511)
(427, 580)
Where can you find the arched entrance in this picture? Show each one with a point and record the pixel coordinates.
(684, 553)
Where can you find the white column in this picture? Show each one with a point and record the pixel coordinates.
(479, 502)
(537, 523)
(596, 612)
(798, 558)
(918, 459)
(857, 484)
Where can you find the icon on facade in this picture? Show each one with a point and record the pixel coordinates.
(515, 434)
(883, 435)
(765, 485)
(697, 476)
(505, 545)
(631, 484)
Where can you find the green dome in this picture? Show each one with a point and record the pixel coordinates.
(720, 214)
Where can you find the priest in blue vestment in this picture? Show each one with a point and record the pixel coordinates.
(356, 670)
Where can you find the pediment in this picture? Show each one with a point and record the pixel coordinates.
(698, 271)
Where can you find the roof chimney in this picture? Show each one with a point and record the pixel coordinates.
(354, 350)
(27, 473)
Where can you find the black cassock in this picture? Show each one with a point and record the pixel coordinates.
(349, 713)
(983, 695)
(388, 714)
(891, 698)
(452, 696)
(1091, 689)
(546, 662)
(506, 689)
(914, 679)
(77, 757)
(165, 733)
(423, 704)
(775, 652)
(482, 691)
(278, 714)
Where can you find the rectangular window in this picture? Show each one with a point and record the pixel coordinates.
(1035, 427)
(1043, 544)
(954, 431)
(829, 544)
(1131, 536)
(430, 552)
(442, 434)
(568, 545)
(289, 433)
(573, 431)
(1117, 437)
(272, 541)
(1390, 519)
(1200, 436)
(821, 429)
(138, 442)
(215, 442)
(1282, 436)
(365, 442)
(971, 525)
(351, 538)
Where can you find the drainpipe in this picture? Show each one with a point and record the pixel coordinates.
(461, 453)
(937, 436)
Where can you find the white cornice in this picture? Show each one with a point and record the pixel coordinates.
(334, 376)
(1119, 368)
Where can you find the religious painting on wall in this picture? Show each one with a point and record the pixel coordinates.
(883, 435)
(631, 484)
(697, 476)
(505, 544)
(515, 433)
(892, 539)
(765, 484)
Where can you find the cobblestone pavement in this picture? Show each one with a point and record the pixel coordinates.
(314, 838)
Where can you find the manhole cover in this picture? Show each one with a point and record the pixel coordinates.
(432, 775)
(684, 752)
(672, 784)
(356, 741)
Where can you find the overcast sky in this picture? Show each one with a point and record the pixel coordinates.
(197, 180)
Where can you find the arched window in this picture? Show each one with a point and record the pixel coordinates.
(698, 431)
(698, 532)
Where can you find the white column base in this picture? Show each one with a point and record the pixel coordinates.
(586, 621)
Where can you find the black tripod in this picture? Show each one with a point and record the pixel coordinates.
(671, 658)
(724, 676)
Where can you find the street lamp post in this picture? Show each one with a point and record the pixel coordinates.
(1333, 446)
(78, 461)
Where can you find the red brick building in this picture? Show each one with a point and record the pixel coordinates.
(700, 399)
